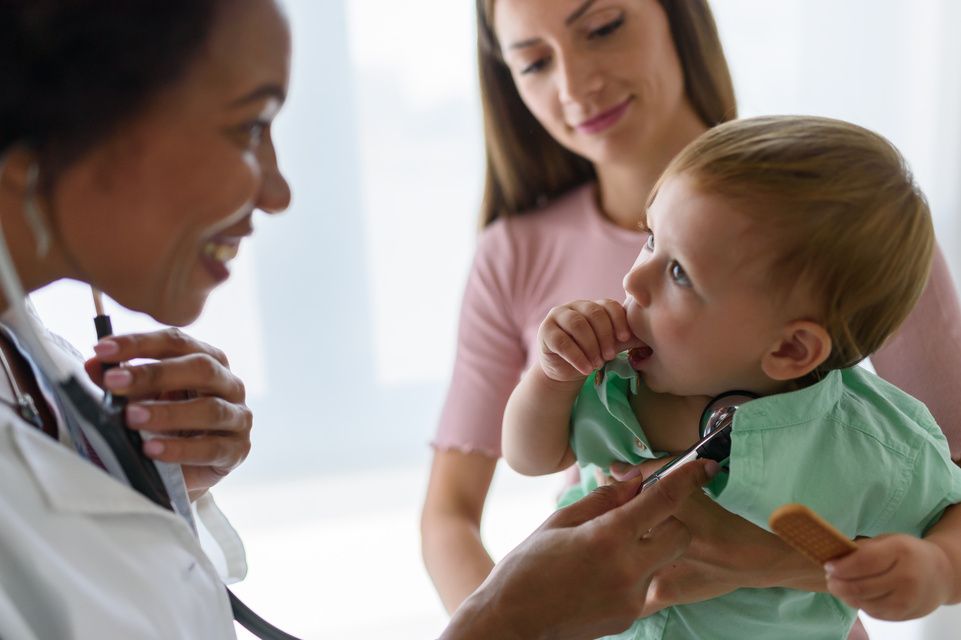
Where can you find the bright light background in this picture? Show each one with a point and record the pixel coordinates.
(341, 314)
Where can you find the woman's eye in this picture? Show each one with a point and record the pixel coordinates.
(252, 134)
(256, 132)
(534, 67)
(649, 244)
(678, 275)
(607, 29)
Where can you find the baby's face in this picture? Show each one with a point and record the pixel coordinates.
(698, 296)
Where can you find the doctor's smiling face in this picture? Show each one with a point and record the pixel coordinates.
(153, 213)
(701, 297)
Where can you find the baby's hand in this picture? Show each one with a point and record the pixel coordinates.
(892, 577)
(581, 336)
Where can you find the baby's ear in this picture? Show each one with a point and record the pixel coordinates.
(803, 346)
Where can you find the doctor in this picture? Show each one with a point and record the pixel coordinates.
(134, 148)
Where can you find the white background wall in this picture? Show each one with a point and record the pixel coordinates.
(341, 314)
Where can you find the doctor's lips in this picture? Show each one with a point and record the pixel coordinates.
(217, 252)
(605, 120)
(638, 355)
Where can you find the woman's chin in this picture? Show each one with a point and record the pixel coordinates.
(176, 313)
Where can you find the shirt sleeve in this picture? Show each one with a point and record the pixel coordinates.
(490, 354)
(935, 484)
(924, 357)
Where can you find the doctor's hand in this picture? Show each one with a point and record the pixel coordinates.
(726, 553)
(584, 573)
(187, 395)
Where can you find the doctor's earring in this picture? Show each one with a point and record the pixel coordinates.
(33, 213)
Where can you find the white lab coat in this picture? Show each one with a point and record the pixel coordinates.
(85, 556)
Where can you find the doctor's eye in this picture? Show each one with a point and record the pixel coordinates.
(678, 275)
(251, 134)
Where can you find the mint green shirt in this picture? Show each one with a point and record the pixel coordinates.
(865, 455)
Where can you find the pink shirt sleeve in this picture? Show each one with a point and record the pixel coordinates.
(924, 356)
(490, 353)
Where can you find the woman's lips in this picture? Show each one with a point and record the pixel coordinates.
(605, 120)
(638, 355)
(215, 255)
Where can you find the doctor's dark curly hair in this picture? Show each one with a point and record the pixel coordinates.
(72, 70)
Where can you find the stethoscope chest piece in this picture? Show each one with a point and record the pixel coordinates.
(716, 424)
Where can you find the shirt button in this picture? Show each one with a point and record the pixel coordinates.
(638, 445)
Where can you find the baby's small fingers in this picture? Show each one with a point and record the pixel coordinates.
(872, 558)
(602, 328)
(863, 590)
(558, 343)
(617, 314)
(580, 329)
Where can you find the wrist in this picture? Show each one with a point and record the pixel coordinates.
(543, 383)
(478, 618)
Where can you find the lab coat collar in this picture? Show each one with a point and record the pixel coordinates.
(73, 485)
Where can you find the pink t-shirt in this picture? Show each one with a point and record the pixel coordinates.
(567, 251)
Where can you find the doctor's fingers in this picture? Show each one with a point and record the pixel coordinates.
(222, 453)
(206, 415)
(656, 503)
(197, 372)
(155, 345)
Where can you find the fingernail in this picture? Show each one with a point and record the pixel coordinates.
(117, 379)
(137, 415)
(106, 348)
(712, 468)
(829, 568)
(153, 448)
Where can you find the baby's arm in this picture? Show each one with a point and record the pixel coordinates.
(900, 577)
(573, 340)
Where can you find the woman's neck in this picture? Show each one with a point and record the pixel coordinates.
(623, 188)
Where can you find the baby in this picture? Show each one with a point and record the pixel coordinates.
(782, 251)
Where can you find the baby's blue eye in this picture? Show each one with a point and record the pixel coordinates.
(678, 275)
(649, 245)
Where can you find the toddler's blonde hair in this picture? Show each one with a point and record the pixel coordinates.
(839, 211)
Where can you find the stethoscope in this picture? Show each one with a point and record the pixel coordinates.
(716, 424)
(106, 416)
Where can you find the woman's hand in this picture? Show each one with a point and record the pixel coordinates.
(893, 577)
(579, 337)
(584, 573)
(188, 396)
(726, 553)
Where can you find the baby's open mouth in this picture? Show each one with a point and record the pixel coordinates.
(638, 355)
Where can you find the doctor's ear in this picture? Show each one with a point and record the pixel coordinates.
(803, 346)
(18, 170)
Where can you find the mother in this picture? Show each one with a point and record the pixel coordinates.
(585, 103)
(135, 145)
